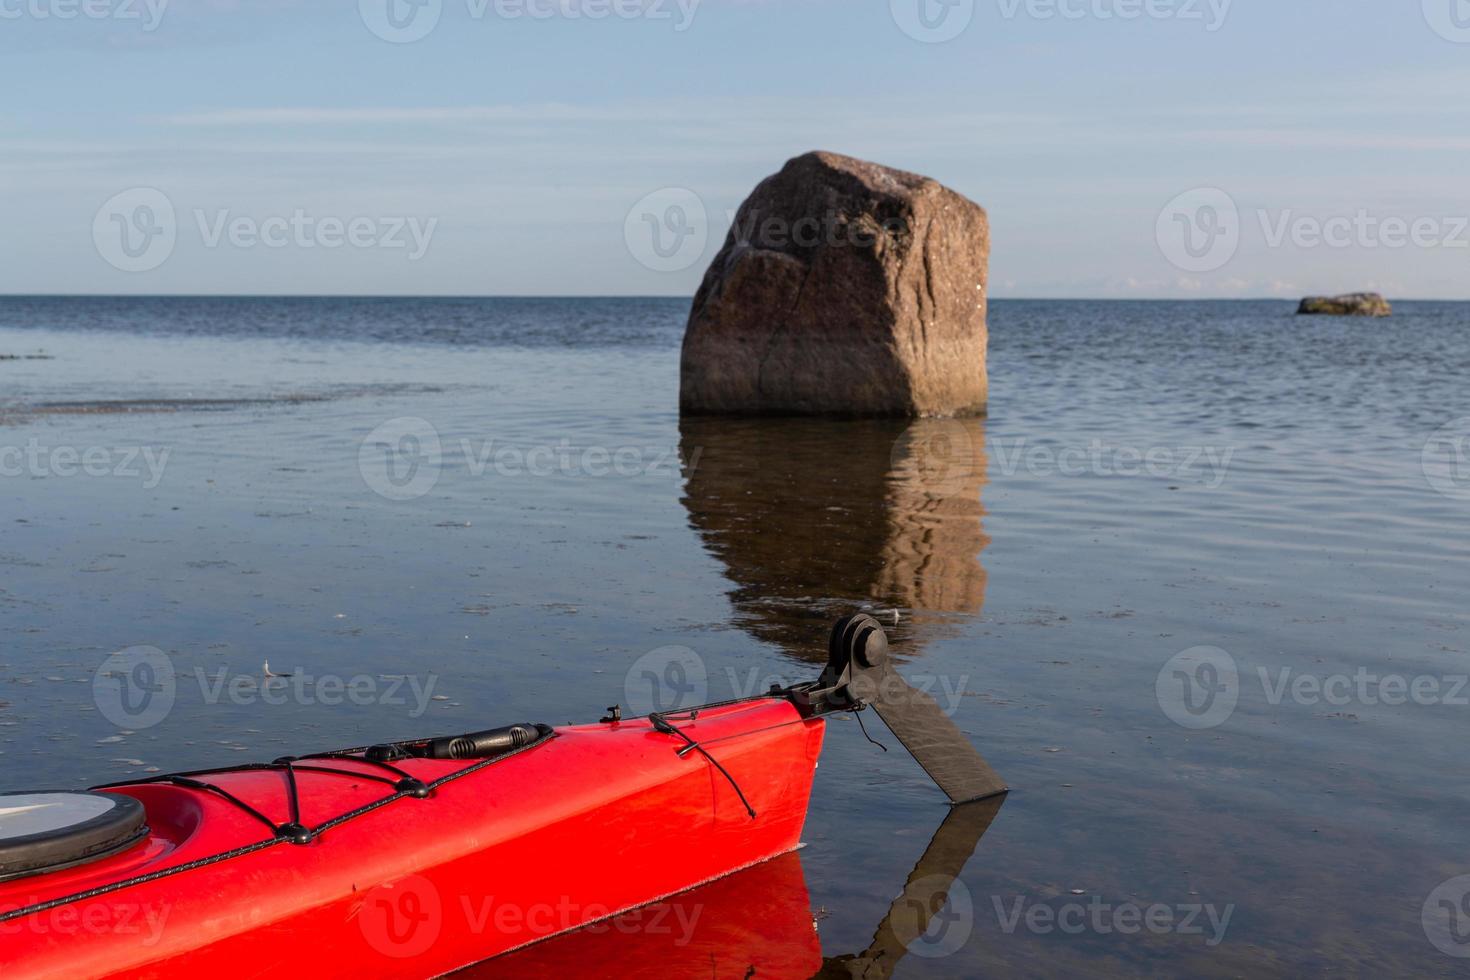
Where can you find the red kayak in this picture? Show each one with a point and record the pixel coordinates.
(420, 858)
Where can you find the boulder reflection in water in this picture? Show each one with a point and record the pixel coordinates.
(812, 516)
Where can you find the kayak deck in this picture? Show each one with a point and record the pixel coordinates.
(587, 822)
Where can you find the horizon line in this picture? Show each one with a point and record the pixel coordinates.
(683, 296)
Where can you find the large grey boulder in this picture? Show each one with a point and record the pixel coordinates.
(1353, 304)
(844, 288)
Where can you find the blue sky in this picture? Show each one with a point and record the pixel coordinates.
(1128, 148)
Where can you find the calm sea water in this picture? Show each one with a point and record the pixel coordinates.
(1209, 513)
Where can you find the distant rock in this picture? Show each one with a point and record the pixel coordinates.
(1353, 304)
(844, 288)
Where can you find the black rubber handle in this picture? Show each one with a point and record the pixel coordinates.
(481, 745)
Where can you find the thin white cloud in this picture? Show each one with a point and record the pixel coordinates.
(1328, 139)
(419, 115)
(757, 123)
(707, 113)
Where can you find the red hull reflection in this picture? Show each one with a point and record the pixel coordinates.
(756, 923)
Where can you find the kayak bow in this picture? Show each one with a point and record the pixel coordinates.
(422, 857)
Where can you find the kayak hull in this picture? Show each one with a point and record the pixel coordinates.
(592, 822)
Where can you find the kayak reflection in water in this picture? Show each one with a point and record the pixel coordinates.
(758, 923)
